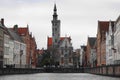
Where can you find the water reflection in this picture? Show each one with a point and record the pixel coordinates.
(57, 76)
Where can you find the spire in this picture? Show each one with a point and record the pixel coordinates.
(55, 12)
(55, 9)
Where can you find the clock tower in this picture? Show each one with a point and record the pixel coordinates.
(55, 29)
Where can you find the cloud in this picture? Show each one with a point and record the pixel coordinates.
(78, 17)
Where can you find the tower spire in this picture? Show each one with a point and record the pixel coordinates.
(55, 9)
(55, 12)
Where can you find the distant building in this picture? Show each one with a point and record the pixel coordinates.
(76, 58)
(39, 57)
(82, 55)
(110, 44)
(1, 42)
(91, 51)
(117, 42)
(66, 50)
(103, 27)
(56, 44)
(33, 48)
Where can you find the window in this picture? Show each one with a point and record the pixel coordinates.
(55, 40)
(6, 50)
(62, 52)
(55, 29)
(65, 55)
(55, 24)
(110, 53)
(1, 54)
(6, 39)
(53, 33)
(70, 52)
(1, 43)
(70, 60)
(1, 32)
(62, 61)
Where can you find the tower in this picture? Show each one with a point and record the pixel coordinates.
(55, 29)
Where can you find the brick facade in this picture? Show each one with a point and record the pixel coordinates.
(103, 27)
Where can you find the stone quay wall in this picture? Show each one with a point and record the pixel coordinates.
(110, 70)
(10, 71)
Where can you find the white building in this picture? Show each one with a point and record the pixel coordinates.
(66, 50)
(7, 56)
(117, 42)
(110, 44)
(82, 55)
(19, 50)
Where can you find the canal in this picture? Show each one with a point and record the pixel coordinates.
(57, 76)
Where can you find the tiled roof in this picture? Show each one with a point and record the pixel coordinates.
(50, 40)
(22, 31)
(103, 25)
(14, 35)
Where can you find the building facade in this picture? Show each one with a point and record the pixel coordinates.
(1, 43)
(33, 48)
(24, 34)
(91, 51)
(82, 56)
(65, 51)
(18, 49)
(117, 42)
(7, 55)
(103, 27)
(110, 44)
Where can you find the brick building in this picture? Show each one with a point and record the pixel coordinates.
(103, 27)
(90, 51)
(33, 51)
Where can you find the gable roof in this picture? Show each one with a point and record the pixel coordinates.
(92, 41)
(49, 43)
(14, 35)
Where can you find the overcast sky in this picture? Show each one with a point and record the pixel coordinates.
(79, 18)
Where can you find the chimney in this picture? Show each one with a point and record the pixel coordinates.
(15, 28)
(2, 21)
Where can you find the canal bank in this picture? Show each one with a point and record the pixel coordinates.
(10, 71)
(110, 70)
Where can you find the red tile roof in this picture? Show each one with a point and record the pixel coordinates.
(50, 40)
(22, 31)
(103, 25)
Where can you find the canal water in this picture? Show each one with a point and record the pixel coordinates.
(57, 76)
